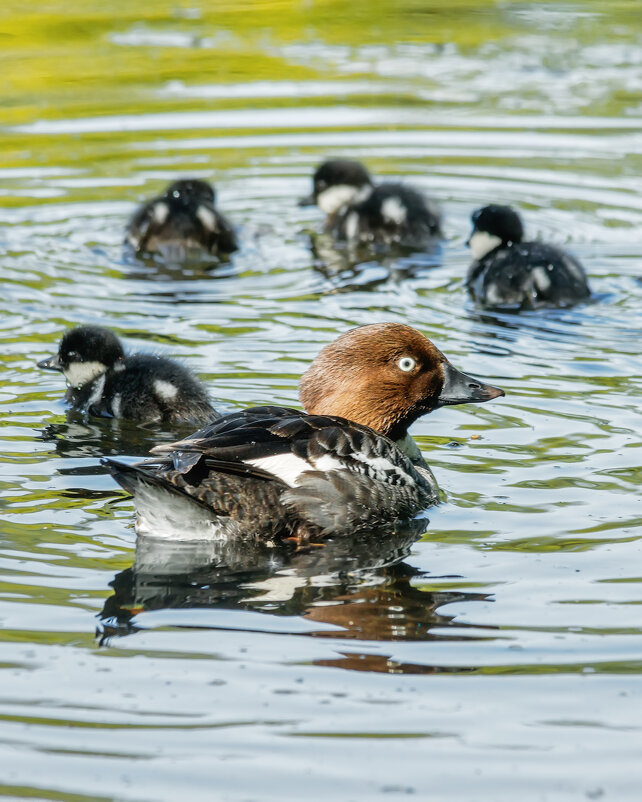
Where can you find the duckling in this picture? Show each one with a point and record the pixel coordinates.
(508, 272)
(347, 465)
(144, 388)
(359, 211)
(181, 222)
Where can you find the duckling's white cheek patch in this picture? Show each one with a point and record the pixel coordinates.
(97, 393)
(207, 218)
(79, 373)
(481, 243)
(333, 198)
(165, 390)
(160, 212)
(393, 211)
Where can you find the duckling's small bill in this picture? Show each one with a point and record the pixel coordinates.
(50, 363)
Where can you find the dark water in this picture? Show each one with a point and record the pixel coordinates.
(497, 658)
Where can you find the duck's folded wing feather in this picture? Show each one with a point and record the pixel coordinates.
(235, 424)
(270, 467)
(315, 442)
(337, 475)
(344, 503)
(287, 442)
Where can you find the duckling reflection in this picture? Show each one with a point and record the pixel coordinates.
(187, 272)
(361, 587)
(82, 437)
(349, 266)
(556, 325)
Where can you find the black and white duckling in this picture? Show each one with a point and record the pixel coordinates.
(347, 465)
(359, 211)
(144, 388)
(181, 222)
(508, 272)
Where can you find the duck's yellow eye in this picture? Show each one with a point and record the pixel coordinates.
(406, 363)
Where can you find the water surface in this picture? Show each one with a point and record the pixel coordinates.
(499, 656)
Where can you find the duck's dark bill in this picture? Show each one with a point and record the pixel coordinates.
(50, 363)
(462, 389)
(310, 200)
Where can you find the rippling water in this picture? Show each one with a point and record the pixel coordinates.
(497, 658)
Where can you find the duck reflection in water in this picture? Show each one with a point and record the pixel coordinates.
(357, 589)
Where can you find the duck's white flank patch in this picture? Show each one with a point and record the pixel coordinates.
(481, 243)
(97, 392)
(116, 405)
(160, 211)
(329, 463)
(394, 210)
(377, 467)
(80, 373)
(207, 217)
(352, 226)
(333, 198)
(287, 467)
(541, 279)
(165, 390)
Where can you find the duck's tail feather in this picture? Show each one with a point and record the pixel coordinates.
(162, 509)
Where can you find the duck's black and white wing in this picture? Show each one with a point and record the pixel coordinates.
(332, 473)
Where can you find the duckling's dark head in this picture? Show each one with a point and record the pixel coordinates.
(191, 191)
(493, 226)
(85, 353)
(337, 182)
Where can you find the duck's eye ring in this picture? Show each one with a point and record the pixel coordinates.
(406, 363)
(70, 355)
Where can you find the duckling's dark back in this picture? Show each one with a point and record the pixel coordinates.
(392, 213)
(527, 275)
(149, 388)
(176, 224)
